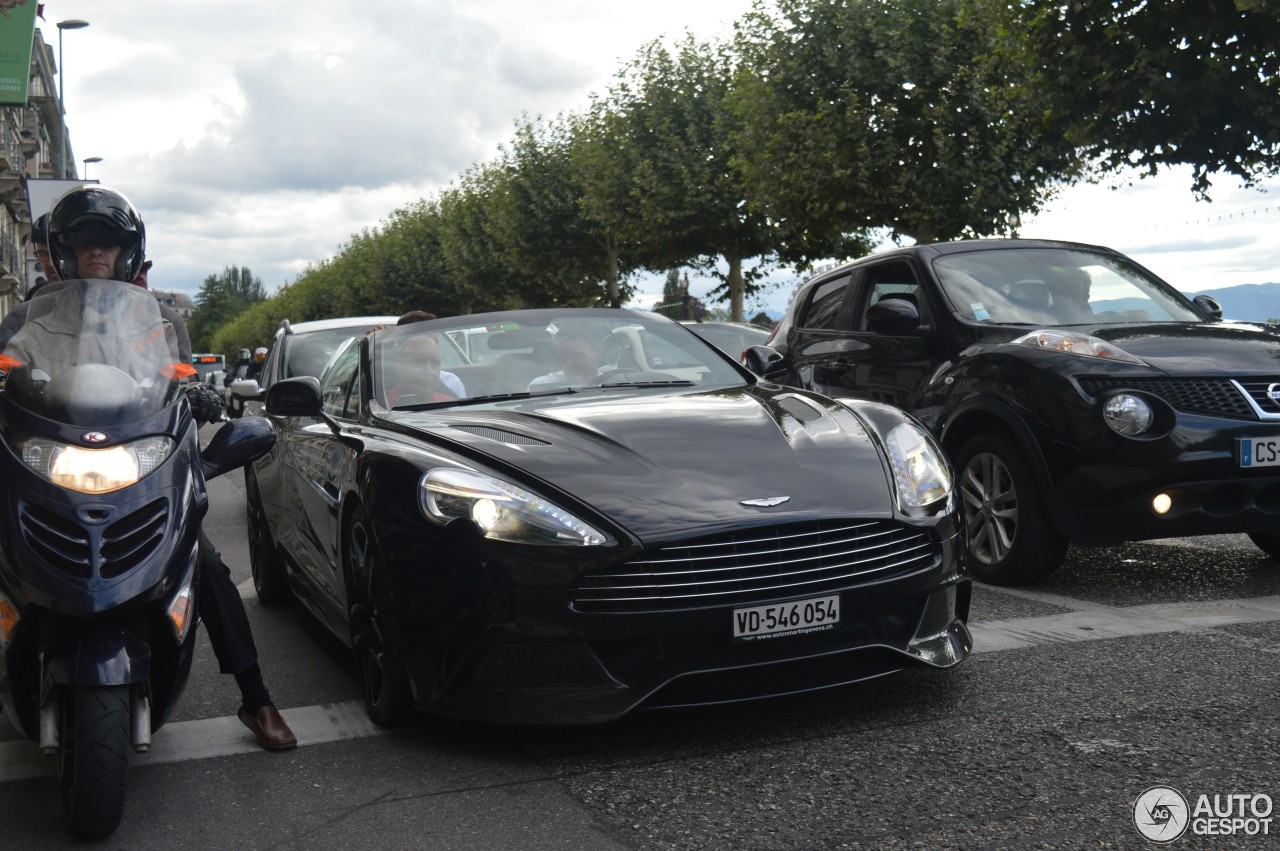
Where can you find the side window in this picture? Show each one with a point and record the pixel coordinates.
(823, 309)
(339, 393)
(271, 364)
(895, 280)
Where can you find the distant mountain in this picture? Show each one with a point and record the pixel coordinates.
(1249, 302)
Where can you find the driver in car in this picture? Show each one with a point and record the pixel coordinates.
(580, 350)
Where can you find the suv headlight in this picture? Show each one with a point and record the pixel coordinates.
(1076, 344)
(1127, 414)
(503, 511)
(86, 470)
(920, 474)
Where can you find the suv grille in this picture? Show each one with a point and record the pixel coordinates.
(82, 552)
(1257, 390)
(756, 565)
(1209, 397)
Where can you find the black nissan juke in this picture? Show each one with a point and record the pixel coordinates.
(1082, 398)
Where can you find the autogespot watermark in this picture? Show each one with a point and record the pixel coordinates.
(1163, 814)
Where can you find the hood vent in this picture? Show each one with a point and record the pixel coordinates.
(509, 437)
(802, 409)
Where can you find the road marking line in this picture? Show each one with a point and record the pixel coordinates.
(1099, 623)
(207, 738)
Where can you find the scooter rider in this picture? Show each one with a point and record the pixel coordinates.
(95, 232)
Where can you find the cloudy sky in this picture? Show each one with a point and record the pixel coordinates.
(265, 134)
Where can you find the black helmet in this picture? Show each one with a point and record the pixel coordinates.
(92, 213)
(40, 230)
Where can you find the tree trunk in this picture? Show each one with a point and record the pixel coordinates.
(735, 287)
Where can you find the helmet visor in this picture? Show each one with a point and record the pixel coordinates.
(98, 237)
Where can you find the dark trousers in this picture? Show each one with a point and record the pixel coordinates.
(222, 612)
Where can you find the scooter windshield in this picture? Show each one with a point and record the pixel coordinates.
(93, 353)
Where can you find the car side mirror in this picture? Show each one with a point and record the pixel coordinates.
(294, 397)
(759, 359)
(1209, 305)
(246, 388)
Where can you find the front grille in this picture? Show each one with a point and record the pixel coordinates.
(128, 542)
(1210, 397)
(62, 543)
(1257, 390)
(82, 552)
(757, 565)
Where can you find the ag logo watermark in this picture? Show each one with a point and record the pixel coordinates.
(1163, 814)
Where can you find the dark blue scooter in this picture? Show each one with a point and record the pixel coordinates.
(104, 493)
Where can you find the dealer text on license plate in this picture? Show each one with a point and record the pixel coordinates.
(816, 614)
(1260, 452)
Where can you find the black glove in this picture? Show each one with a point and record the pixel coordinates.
(206, 403)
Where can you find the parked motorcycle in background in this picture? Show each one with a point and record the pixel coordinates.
(105, 493)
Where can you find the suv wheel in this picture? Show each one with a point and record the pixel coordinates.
(1011, 540)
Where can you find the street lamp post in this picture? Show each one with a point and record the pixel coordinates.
(73, 24)
(87, 161)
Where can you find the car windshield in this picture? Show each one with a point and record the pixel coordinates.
(541, 352)
(1057, 286)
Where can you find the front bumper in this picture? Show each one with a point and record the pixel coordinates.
(551, 665)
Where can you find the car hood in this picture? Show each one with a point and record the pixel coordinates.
(1203, 349)
(662, 466)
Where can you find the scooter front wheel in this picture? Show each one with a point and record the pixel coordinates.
(94, 759)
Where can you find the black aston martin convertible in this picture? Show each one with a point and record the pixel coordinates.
(602, 513)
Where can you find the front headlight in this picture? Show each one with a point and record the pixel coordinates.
(503, 511)
(1076, 344)
(919, 471)
(94, 470)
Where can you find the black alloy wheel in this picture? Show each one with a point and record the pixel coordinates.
(371, 619)
(264, 559)
(93, 762)
(1011, 539)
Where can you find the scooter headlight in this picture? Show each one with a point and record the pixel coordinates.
(87, 470)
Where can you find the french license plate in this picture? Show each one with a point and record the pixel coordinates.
(1260, 452)
(816, 614)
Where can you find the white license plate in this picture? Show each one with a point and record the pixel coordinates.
(816, 614)
(1260, 452)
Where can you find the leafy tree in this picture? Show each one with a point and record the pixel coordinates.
(222, 298)
(690, 200)
(1151, 85)
(857, 115)
(540, 222)
(604, 161)
(763, 320)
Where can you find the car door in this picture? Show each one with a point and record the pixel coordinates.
(858, 359)
(817, 341)
(322, 463)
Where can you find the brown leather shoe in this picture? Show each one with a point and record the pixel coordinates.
(270, 728)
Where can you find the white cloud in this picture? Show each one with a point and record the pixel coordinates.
(266, 134)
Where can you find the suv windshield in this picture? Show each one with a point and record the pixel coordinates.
(1057, 286)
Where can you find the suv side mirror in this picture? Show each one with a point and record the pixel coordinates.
(1209, 305)
(893, 316)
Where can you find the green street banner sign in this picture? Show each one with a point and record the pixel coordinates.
(17, 28)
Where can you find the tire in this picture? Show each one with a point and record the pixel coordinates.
(269, 579)
(93, 763)
(1268, 542)
(371, 619)
(1011, 539)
